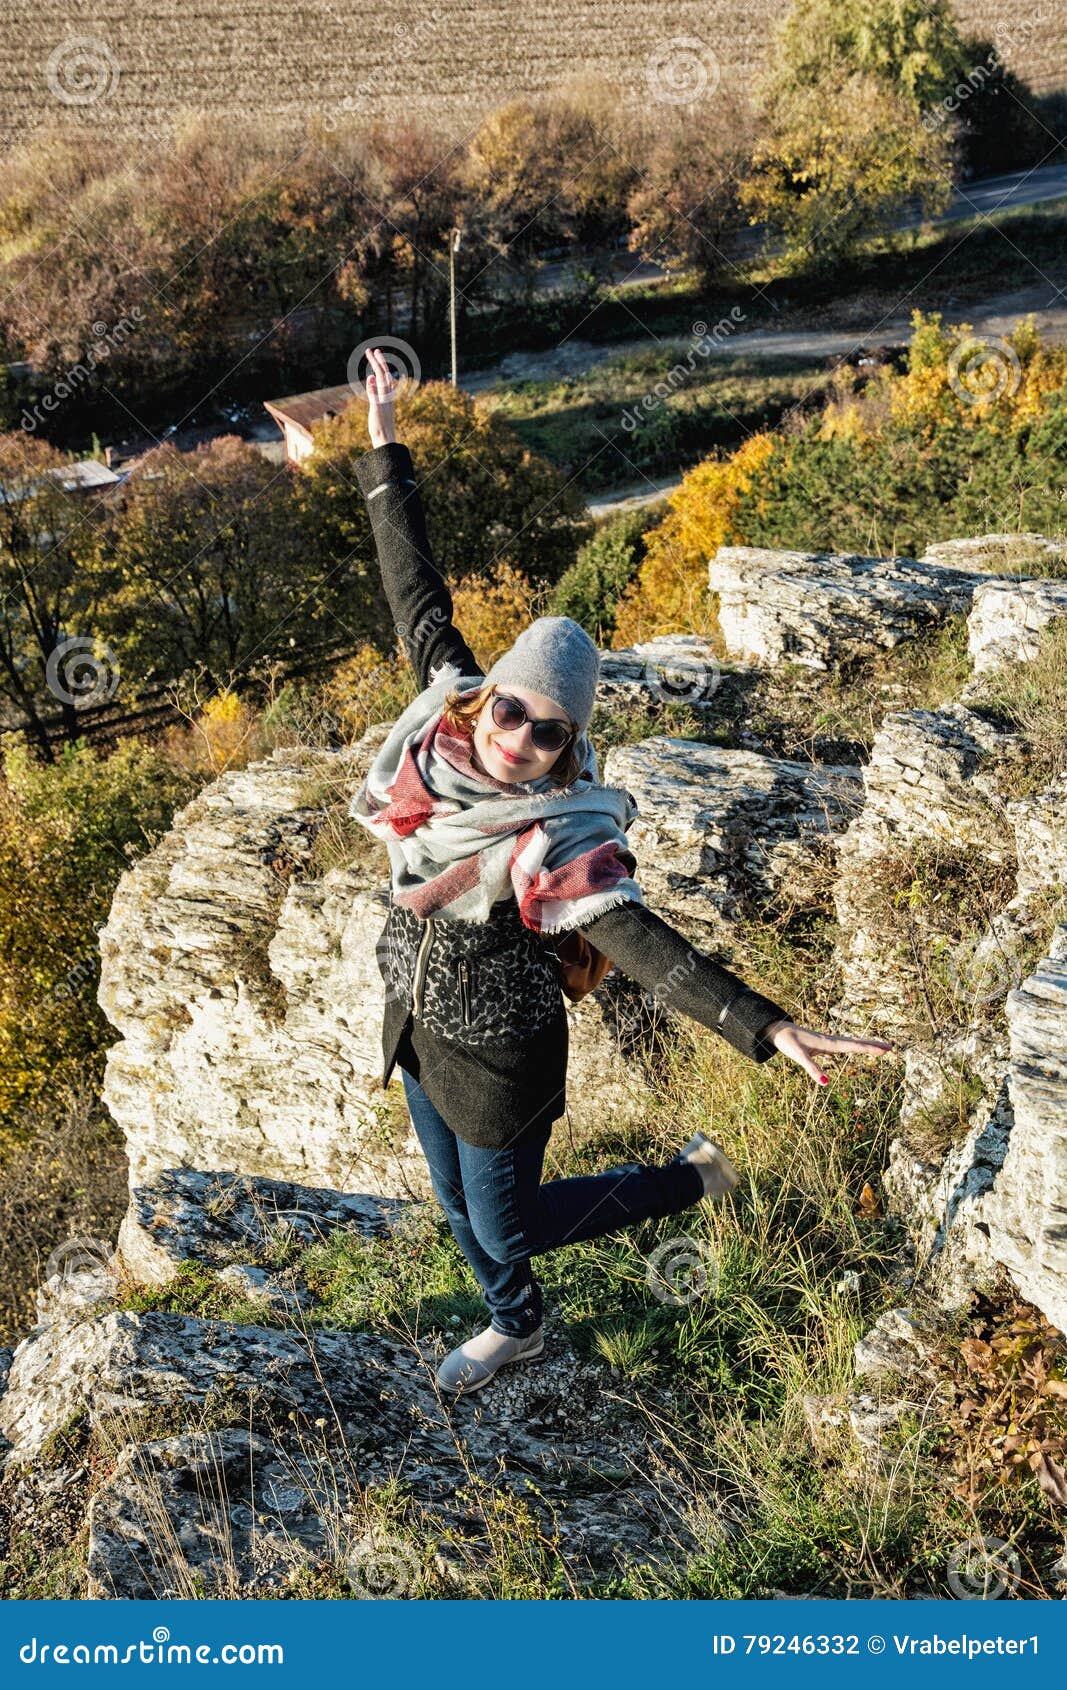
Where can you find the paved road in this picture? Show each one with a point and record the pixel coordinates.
(992, 193)
(995, 317)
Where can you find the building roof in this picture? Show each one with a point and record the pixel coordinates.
(88, 472)
(80, 477)
(304, 410)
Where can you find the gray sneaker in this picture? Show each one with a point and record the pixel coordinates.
(474, 1363)
(715, 1167)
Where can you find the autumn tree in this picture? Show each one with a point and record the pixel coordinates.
(832, 172)
(49, 591)
(206, 567)
(912, 47)
(687, 210)
(415, 189)
(487, 497)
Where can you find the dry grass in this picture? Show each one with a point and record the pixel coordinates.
(63, 1175)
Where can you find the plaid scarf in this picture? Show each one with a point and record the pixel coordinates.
(458, 840)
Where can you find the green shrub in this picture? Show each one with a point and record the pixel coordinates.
(67, 831)
(591, 588)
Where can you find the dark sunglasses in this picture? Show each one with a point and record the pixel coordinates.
(548, 734)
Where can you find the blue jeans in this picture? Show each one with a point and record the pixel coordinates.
(501, 1214)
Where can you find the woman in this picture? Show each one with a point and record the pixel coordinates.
(499, 831)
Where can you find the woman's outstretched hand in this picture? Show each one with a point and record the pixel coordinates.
(381, 389)
(801, 1043)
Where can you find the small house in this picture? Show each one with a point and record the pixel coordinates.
(298, 415)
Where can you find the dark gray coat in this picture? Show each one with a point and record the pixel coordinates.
(474, 1011)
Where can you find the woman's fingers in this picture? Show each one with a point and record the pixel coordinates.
(801, 1044)
(380, 385)
(830, 1041)
(383, 376)
(789, 1041)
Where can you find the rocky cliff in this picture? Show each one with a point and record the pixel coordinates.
(238, 971)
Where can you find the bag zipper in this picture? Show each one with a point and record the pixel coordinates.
(465, 990)
(419, 982)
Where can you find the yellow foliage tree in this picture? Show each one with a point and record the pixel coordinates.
(670, 592)
(492, 610)
(955, 380)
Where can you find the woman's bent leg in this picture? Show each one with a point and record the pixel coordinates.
(514, 1215)
(511, 1292)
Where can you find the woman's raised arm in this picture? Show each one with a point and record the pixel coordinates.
(418, 594)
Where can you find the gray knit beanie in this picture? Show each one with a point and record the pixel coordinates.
(554, 655)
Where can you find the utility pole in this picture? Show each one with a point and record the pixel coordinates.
(453, 248)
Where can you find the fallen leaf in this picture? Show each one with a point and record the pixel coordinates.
(1050, 1476)
(977, 1354)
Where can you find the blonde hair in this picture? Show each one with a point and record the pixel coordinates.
(461, 711)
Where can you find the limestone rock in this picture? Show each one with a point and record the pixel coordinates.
(895, 1345)
(239, 1517)
(720, 829)
(1003, 553)
(1040, 824)
(672, 668)
(185, 1214)
(248, 995)
(330, 1410)
(1007, 619)
(824, 609)
(1026, 1211)
(938, 1196)
(934, 778)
